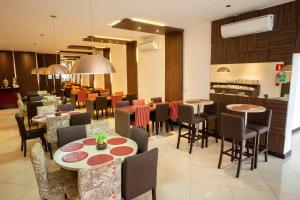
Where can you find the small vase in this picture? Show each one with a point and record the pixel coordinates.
(101, 146)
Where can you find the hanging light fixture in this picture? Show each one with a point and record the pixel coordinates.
(223, 69)
(93, 64)
(56, 69)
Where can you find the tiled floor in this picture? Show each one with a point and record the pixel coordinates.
(180, 175)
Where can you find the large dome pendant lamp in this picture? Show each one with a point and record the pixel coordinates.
(93, 64)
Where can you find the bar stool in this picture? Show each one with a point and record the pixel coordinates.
(186, 115)
(233, 128)
(260, 122)
(210, 114)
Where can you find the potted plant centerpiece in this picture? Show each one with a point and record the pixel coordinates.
(101, 139)
(150, 103)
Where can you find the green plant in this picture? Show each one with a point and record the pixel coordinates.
(101, 138)
(150, 103)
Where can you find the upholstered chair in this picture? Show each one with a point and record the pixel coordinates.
(95, 128)
(51, 184)
(101, 182)
(45, 109)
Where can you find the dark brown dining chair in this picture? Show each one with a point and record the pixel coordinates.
(156, 99)
(233, 128)
(32, 110)
(122, 123)
(27, 135)
(120, 104)
(140, 136)
(35, 98)
(186, 115)
(70, 134)
(130, 98)
(260, 122)
(80, 119)
(210, 114)
(160, 116)
(139, 174)
(66, 107)
(101, 105)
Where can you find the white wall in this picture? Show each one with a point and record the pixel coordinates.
(151, 70)
(265, 73)
(196, 61)
(118, 58)
(293, 114)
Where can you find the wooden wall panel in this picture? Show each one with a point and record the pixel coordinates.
(107, 80)
(25, 62)
(6, 66)
(132, 76)
(274, 46)
(173, 66)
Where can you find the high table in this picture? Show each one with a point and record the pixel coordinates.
(83, 153)
(198, 103)
(246, 108)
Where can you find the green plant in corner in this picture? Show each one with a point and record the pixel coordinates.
(101, 138)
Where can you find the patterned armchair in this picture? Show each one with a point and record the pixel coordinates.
(54, 183)
(45, 109)
(98, 127)
(54, 123)
(101, 182)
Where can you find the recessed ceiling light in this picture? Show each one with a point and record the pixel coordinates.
(228, 6)
(157, 30)
(147, 21)
(53, 16)
(139, 28)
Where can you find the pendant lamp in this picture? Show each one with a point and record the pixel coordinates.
(92, 64)
(223, 69)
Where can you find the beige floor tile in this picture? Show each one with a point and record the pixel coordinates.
(209, 177)
(168, 190)
(287, 197)
(168, 172)
(11, 191)
(246, 194)
(199, 191)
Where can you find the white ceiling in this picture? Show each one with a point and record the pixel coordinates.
(22, 21)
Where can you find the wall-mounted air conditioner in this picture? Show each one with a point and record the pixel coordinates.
(150, 45)
(250, 26)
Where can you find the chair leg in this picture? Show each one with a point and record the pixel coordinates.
(22, 145)
(266, 146)
(50, 150)
(154, 194)
(233, 149)
(192, 138)
(203, 135)
(179, 135)
(256, 150)
(156, 127)
(172, 126)
(221, 153)
(167, 126)
(240, 159)
(25, 147)
(253, 152)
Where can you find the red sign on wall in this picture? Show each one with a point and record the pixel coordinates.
(279, 67)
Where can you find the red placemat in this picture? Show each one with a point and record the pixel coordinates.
(99, 159)
(121, 151)
(75, 156)
(117, 141)
(90, 141)
(71, 147)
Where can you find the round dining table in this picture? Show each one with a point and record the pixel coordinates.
(41, 119)
(199, 103)
(246, 108)
(83, 153)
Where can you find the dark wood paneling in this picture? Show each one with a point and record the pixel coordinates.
(279, 108)
(6, 66)
(297, 48)
(132, 76)
(91, 80)
(173, 66)
(105, 40)
(277, 45)
(132, 25)
(107, 80)
(25, 62)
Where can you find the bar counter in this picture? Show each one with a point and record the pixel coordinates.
(8, 98)
(278, 123)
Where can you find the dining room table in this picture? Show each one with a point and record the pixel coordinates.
(246, 108)
(42, 118)
(83, 153)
